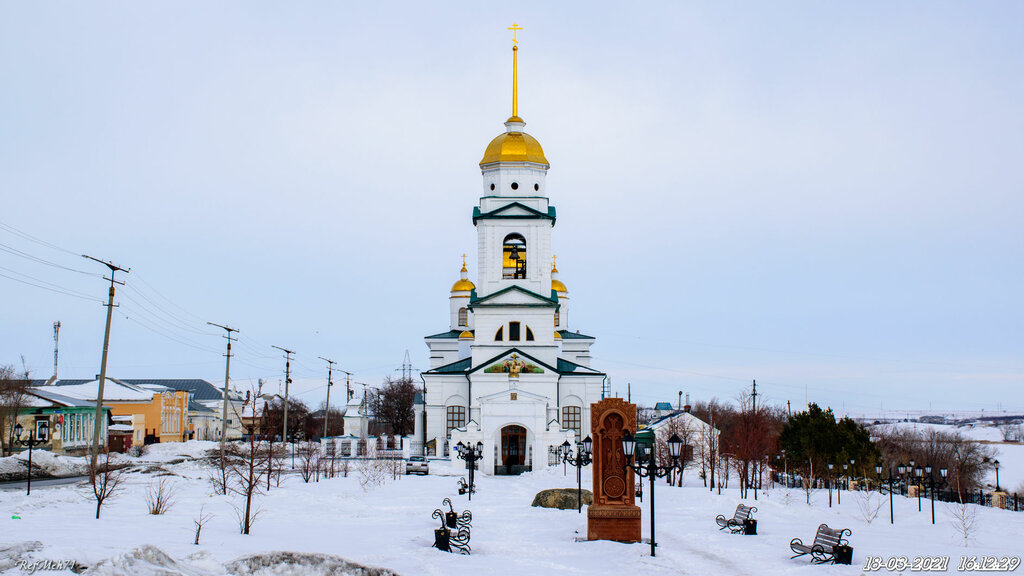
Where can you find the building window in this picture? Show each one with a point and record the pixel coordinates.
(513, 257)
(456, 418)
(556, 319)
(571, 419)
(463, 317)
(529, 334)
(513, 331)
(500, 334)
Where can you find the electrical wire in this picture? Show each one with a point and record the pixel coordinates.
(32, 238)
(48, 285)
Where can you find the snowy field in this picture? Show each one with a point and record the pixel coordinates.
(390, 526)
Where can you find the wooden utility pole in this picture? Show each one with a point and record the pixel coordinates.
(103, 362)
(227, 378)
(287, 381)
(327, 404)
(753, 398)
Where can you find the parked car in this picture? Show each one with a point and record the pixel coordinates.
(417, 465)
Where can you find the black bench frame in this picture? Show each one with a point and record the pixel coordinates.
(823, 549)
(736, 523)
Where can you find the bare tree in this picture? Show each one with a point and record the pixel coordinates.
(309, 459)
(869, 503)
(679, 426)
(106, 478)
(1012, 432)
(392, 406)
(160, 495)
(373, 472)
(201, 521)
(246, 471)
(13, 393)
(963, 516)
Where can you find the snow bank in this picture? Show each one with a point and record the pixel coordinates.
(43, 462)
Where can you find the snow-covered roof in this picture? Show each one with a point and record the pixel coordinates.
(113, 391)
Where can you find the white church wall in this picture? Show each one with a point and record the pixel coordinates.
(526, 175)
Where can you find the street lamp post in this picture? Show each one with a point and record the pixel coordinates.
(917, 480)
(44, 433)
(650, 469)
(471, 455)
(889, 483)
(829, 484)
(932, 485)
(581, 459)
(785, 468)
(996, 464)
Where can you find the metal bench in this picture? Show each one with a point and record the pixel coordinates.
(736, 523)
(828, 543)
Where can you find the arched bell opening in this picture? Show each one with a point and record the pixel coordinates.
(513, 257)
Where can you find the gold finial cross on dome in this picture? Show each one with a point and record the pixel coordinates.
(515, 28)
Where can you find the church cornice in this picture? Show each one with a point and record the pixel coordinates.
(500, 213)
(543, 302)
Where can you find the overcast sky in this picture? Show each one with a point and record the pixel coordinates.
(822, 196)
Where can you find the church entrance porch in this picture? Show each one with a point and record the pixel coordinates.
(513, 451)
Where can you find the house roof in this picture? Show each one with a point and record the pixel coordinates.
(566, 335)
(451, 334)
(113, 390)
(663, 406)
(200, 389)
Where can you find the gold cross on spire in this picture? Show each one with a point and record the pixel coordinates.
(515, 28)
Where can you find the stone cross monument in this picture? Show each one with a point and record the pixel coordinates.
(612, 516)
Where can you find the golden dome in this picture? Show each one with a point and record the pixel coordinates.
(557, 286)
(514, 146)
(463, 285)
(466, 335)
(557, 335)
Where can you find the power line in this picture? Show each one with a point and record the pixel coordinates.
(38, 260)
(32, 238)
(50, 286)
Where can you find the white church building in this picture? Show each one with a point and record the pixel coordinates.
(509, 372)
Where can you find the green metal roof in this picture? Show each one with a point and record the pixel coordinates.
(533, 214)
(566, 335)
(448, 334)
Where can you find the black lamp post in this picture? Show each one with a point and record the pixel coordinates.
(650, 469)
(829, 483)
(889, 483)
(996, 464)
(44, 433)
(917, 481)
(471, 454)
(785, 468)
(581, 459)
(932, 485)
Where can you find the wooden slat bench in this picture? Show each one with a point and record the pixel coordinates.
(823, 549)
(735, 524)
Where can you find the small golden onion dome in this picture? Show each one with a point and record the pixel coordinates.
(557, 335)
(463, 285)
(466, 335)
(514, 146)
(557, 286)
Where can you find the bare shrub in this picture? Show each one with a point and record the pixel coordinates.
(160, 495)
(963, 518)
(105, 478)
(201, 521)
(247, 470)
(869, 503)
(309, 460)
(372, 472)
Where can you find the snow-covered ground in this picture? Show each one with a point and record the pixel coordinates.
(390, 526)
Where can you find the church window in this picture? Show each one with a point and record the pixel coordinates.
(529, 334)
(492, 186)
(456, 418)
(514, 257)
(513, 331)
(536, 187)
(500, 334)
(463, 317)
(515, 185)
(571, 418)
(556, 318)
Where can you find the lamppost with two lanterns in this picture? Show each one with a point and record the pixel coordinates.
(33, 440)
(579, 460)
(650, 468)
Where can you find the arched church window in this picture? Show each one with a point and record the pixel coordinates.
(514, 257)
(500, 334)
(513, 331)
(529, 334)
(456, 418)
(572, 419)
(463, 317)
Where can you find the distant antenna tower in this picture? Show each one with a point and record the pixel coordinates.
(56, 339)
(406, 368)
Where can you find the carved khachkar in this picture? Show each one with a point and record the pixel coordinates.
(613, 516)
